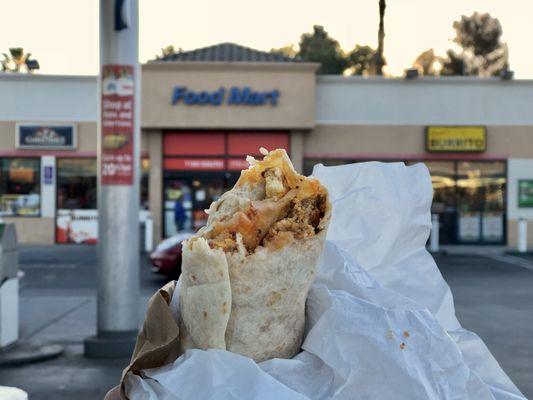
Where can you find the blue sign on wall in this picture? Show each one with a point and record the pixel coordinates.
(234, 96)
(46, 136)
(48, 173)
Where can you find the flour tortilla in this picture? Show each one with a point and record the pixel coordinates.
(249, 298)
(206, 293)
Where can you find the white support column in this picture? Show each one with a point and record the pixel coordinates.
(522, 235)
(149, 234)
(9, 312)
(118, 199)
(434, 238)
(48, 186)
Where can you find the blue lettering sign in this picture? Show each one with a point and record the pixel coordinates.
(48, 174)
(237, 96)
(182, 95)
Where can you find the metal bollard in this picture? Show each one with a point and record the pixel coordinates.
(434, 238)
(522, 235)
(148, 234)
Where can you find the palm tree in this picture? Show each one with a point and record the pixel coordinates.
(16, 60)
(380, 61)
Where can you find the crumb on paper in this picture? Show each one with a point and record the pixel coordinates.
(402, 345)
(406, 334)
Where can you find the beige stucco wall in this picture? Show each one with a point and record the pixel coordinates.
(145, 142)
(7, 135)
(86, 137)
(510, 141)
(512, 234)
(297, 149)
(295, 81)
(155, 190)
(34, 230)
(354, 140)
(358, 140)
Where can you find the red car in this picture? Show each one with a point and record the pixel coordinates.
(166, 258)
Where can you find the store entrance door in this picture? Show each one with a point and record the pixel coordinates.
(469, 197)
(76, 213)
(201, 165)
(481, 202)
(188, 194)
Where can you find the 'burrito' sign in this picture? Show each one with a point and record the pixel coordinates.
(36, 136)
(456, 138)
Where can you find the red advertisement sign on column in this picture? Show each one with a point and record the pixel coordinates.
(117, 125)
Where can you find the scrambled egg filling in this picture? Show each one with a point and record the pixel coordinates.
(284, 214)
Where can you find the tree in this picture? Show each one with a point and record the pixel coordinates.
(167, 52)
(482, 52)
(362, 60)
(18, 61)
(453, 64)
(380, 60)
(288, 50)
(427, 63)
(318, 46)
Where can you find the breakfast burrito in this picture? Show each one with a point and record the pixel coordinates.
(246, 274)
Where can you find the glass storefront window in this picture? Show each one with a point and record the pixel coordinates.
(178, 206)
(483, 184)
(20, 187)
(76, 215)
(188, 195)
(468, 196)
(76, 183)
(145, 180)
(444, 197)
(481, 204)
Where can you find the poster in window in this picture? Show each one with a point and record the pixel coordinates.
(77, 226)
(492, 230)
(22, 205)
(117, 114)
(469, 226)
(525, 193)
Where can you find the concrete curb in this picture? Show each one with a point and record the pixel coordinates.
(438, 253)
(110, 345)
(517, 253)
(27, 353)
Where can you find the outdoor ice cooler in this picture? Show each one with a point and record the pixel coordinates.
(8, 285)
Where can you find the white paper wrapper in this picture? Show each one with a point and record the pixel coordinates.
(381, 322)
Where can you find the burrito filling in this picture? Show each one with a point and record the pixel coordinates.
(270, 206)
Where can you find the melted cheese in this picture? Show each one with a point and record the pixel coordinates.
(274, 220)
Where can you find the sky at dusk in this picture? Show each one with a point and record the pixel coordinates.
(63, 34)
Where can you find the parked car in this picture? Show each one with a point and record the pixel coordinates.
(166, 258)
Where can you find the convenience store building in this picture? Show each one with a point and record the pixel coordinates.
(203, 111)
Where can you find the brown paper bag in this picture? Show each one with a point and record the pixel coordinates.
(158, 340)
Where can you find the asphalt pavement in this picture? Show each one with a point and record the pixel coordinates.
(58, 305)
(69, 269)
(493, 297)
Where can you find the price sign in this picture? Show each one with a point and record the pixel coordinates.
(117, 160)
